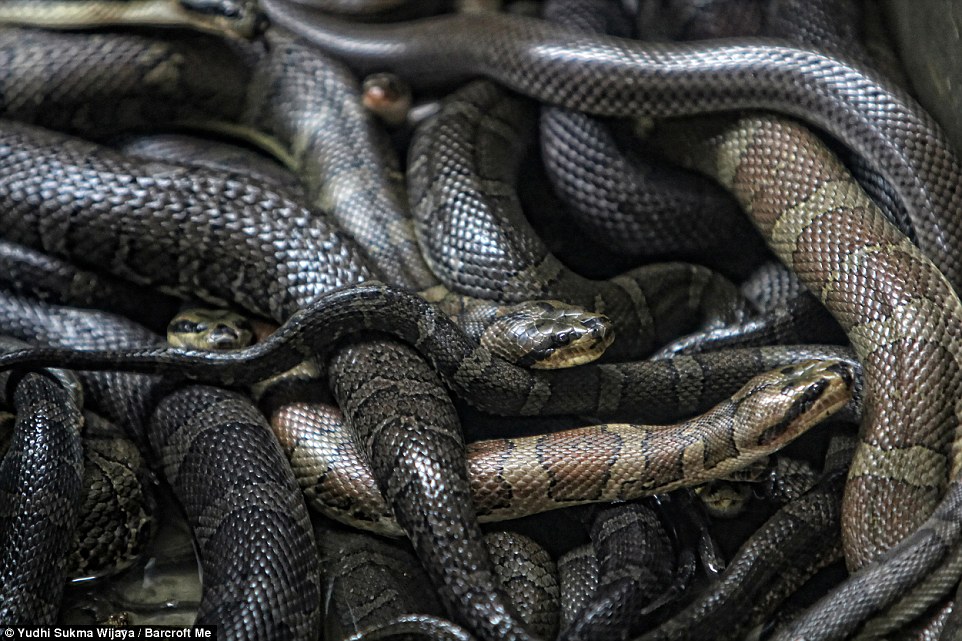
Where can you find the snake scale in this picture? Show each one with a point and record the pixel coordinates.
(922, 230)
(610, 76)
(802, 535)
(635, 568)
(254, 538)
(480, 130)
(40, 488)
(619, 192)
(737, 372)
(643, 68)
(515, 477)
(279, 298)
(354, 50)
(904, 333)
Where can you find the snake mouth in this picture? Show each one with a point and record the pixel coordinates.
(224, 337)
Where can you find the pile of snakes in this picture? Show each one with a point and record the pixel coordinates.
(574, 319)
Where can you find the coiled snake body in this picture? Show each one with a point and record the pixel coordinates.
(610, 76)
(41, 488)
(809, 85)
(516, 477)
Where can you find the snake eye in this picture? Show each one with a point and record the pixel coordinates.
(563, 339)
(184, 326)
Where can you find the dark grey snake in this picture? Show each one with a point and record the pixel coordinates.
(253, 535)
(875, 136)
(40, 488)
(338, 262)
(585, 399)
(234, 433)
(610, 76)
(794, 543)
(865, 136)
(461, 171)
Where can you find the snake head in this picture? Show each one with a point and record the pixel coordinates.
(241, 18)
(388, 97)
(209, 329)
(548, 335)
(788, 401)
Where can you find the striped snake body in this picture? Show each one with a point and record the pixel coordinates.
(816, 219)
(510, 478)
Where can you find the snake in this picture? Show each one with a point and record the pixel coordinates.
(416, 626)
(369, 209)
(279, 296)
(337, 481)
(210, 329)
(373, 581)
(835, 27)
(836, 100)
(789, 547)
(388, 97)
(840, 245)
(609, 76)
(470, 224)
(528, 578)
(33, 273)
(405, 422)
(635, 567)
(291, 265)
(135, 397)
(212, 16)
(617, 193)
(115, 514)
(185, 149)
(514, 477)
(62, 41)
(369, 581)
(253, 534)
(656, 389)
(124, 399)
(578, 580)
(40, 489)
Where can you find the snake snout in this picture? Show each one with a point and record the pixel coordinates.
(224, 337)
(599, 329)
(210, 329)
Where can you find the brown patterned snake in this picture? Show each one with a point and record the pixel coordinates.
(900, 470)
(898, 310)
(933, 437)
(515, 477)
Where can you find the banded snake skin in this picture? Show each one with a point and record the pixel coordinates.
(354, 270)
(229, 369)
(42, 486)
